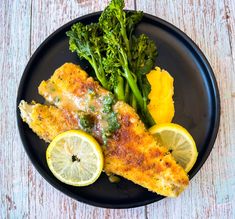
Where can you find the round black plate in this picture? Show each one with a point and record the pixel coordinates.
(197, 105)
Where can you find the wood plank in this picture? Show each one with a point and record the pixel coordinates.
(25, 194)
(211, 193)
(230, 19)
(50, 15)
(14, 47)
(47, 16)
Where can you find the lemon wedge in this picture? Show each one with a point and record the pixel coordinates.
(75, 158)
(178, 141)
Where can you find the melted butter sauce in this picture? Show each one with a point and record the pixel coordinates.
(95, 113)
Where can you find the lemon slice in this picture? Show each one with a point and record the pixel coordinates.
(179, 142)
(75, 158)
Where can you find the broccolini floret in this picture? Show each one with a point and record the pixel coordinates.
(120, 59)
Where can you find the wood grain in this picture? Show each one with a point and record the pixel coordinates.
(211, 193)
(24, 24)
(14, 44)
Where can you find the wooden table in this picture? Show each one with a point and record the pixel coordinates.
(24, 24)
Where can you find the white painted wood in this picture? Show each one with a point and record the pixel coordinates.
(211, 25)
(14, 54)
(24, 24)
(230, 18)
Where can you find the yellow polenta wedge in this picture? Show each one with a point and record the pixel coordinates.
(161, 105)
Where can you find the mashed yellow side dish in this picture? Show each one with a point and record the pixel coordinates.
(161, 105)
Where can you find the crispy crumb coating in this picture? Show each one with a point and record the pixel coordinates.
(131, 151)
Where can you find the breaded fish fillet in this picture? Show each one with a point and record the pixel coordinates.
(47, 121)
(131, 151)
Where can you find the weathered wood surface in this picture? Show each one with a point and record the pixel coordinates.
(24, 24)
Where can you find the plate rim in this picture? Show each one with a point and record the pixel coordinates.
(190, 44)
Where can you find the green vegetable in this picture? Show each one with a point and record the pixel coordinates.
(119, 58)
(133, 18)
(87, 41)
(113, 22)
(144, 53)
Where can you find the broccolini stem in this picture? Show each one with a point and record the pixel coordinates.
(123, 31)
(127, 92)
(133, 102)
(119, 89)
(130, 79)
(100, 70)
(146, 113)
(100, 76)
(134, 87)
(149, 118)
(121, 16)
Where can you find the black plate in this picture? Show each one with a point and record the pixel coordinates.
(197, 105)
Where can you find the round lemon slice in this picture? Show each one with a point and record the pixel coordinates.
(179, 142)
(75, 158)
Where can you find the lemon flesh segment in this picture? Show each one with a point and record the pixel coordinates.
(75, 158)
(179, 142)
